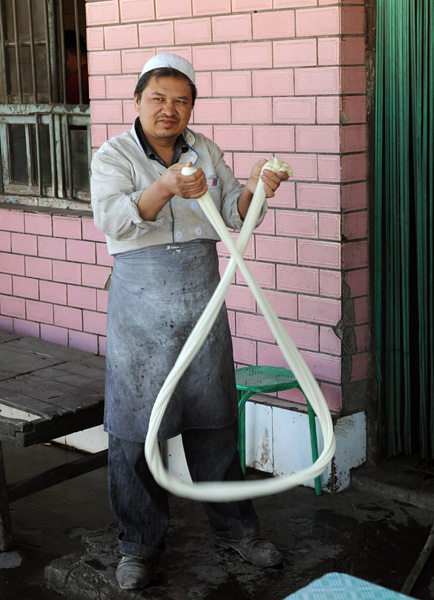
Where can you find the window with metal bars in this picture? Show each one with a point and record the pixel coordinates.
(44, 104)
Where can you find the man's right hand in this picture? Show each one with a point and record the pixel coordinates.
(186, 186)
(171, 183)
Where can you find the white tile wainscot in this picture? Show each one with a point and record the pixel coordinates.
(278, 442)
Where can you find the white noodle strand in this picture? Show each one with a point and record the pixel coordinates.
(238, 490)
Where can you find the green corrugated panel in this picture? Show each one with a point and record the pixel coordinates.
(430, 161)
(404, 255)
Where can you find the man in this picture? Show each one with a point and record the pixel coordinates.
(165, 271)
(72, 63)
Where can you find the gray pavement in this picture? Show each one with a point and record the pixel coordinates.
(65, 539)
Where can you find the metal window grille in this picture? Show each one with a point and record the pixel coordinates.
(44, 140)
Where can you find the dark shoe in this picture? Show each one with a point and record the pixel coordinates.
(133, 573)
(254, 550)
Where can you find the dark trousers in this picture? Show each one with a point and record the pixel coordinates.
(141, 507)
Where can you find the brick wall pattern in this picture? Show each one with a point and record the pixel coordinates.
(274, 77)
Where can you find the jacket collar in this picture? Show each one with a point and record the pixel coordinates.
(182, 144)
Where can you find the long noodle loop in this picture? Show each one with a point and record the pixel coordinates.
(238, 490)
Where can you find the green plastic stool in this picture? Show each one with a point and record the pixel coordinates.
(266, 380)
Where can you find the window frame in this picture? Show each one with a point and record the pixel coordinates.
(59, 116)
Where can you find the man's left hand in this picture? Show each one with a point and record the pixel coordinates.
(270, 179)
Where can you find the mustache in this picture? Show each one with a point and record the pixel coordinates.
(163, 117)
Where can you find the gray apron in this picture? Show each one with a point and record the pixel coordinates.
(156, 296)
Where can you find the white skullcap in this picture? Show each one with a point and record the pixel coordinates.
(170, 60)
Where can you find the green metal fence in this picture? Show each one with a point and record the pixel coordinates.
(404, 247)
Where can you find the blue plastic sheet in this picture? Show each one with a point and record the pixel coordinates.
(339, 586)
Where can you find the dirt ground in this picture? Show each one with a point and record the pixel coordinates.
(374, 530)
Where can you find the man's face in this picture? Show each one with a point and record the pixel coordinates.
(164, 109)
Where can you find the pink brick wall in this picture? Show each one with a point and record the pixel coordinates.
(275, 77)
(52, 277)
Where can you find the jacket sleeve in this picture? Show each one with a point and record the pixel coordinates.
(114, 197)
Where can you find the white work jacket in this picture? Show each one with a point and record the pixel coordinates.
(121, 171)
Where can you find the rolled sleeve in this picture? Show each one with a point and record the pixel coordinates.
(137, 219)
(114, 198)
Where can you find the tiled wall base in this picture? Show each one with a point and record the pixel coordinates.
(94, 439)
(278, 443)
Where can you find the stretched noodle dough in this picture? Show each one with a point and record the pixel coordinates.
(238, 490)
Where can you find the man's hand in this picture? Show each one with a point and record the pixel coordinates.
(186, 186)
(271, 180)
(171, 183)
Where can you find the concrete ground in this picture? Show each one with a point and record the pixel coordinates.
(375, 530)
